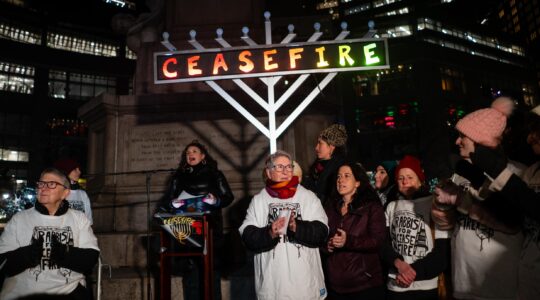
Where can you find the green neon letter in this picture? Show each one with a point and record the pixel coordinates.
(370, 59)
(344, 55)
(322, 62)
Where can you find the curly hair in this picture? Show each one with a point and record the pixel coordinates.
(365, 192)
(208, 159)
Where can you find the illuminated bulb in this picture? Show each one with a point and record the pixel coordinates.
(245, 31)
(291, 28)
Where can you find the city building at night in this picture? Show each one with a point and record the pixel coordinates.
(87, 85)
(442, 67)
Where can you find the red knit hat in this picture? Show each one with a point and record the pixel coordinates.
(484, 126)
(66, 165)
(412, 163)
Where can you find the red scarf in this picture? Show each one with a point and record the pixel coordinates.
(282, 190)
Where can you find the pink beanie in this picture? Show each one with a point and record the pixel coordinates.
(484, 126)
(413, 163)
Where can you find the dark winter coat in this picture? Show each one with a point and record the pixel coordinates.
(321, 183)
(356, 266)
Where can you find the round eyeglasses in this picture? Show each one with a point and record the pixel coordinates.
(49, 184)
(281, 168)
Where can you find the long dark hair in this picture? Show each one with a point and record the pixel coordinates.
(208, 159)
(365, 192)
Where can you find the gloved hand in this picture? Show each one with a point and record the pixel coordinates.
(58, 250)
(177, 203)
(447, 193)
(491, 161)
(444, 219)
(36, 251)
(210, 199)
(471, 172)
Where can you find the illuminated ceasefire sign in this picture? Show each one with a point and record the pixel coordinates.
(269, 62)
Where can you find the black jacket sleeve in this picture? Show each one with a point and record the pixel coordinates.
(258, 239)
(223, 190)
(19, 260)
(312, 234)
(434, 263)
(388, 254)
(528, 199)
(80, 260)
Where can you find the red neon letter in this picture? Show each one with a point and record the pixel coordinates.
(192, 63)
(165, 66)
(267, 60)
(321, 63)
(248, 63)
(219, 62)
(294, 54)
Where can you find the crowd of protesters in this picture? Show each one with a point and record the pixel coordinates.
(474, 235)
(334, 233)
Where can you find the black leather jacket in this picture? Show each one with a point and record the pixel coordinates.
(201, 180)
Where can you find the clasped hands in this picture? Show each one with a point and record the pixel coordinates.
(337, 241)
(277, 225)
(406, 274)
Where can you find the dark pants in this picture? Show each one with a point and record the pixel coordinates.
(192, 281)
(414, 295)
(376, 293)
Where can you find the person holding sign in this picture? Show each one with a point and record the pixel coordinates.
(199, 186)
(357, 231)
(286, 251)
(416, 252)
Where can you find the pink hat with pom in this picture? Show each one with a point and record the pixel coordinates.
(486, 126)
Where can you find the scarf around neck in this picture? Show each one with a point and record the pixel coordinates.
(282, 190)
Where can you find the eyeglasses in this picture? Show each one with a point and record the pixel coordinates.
(49, 184)
(281, 168)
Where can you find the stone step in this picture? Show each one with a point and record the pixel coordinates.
(132, 284)
(126, 249)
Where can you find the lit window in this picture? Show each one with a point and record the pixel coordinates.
(130, 54)
(14, 33)
(75, 44)
(13, 155)
(122, 3)
(16, 78)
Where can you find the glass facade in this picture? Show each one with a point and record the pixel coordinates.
(64, 85)
(16, 78)
(80, 45)
(426, 23)
(19, 33)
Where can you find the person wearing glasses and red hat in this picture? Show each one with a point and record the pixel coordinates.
(47, 249)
